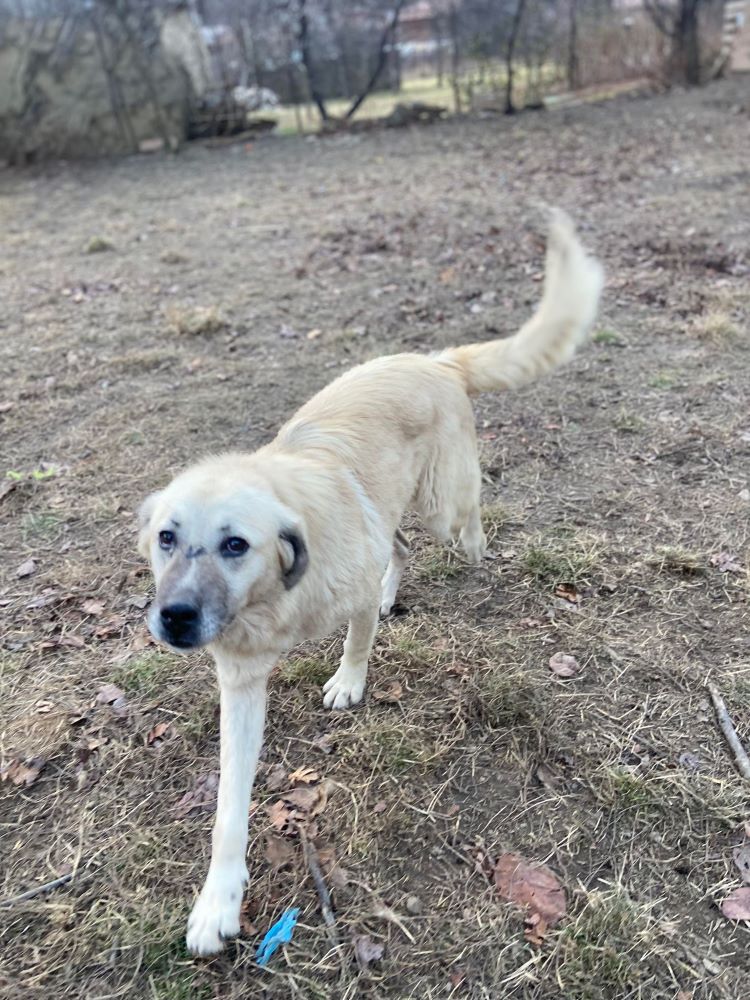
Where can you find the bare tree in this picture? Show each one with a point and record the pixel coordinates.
(304, 44)
(510, 108)
(573, 62)
(386, 40)
(681, 25)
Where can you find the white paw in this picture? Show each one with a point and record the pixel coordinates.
(216, 914)
(475, 552)
(386, 603)
(345, 688)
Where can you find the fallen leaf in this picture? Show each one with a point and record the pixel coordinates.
(26, 568)
(247, 927)
(323, 743)
(447, 276)
(367, 950)
(143, 640)
(530, 623)
(314, 334)
(280, 814)
(276, 778)
(726, 562)
(201, 797)
(304, 776)
(568, 593)
(139, 601)
(741, 857)
(379, 807)
(109, 693)
(23, 771)
(6, 487)
(737, 904)
(279, 851)
(72, 640)
(564, 665)
(95, 608)
(157, 734)
(391, 694)
(6, 406)
(534, 887)
(288, 332)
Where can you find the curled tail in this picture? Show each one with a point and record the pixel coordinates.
(572, 285)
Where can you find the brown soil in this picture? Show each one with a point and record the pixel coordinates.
(153, 310)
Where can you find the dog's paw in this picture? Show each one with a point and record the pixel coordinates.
(216, 914)
(345, 688)
(386, 604)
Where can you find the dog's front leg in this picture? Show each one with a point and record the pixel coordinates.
(216, 913)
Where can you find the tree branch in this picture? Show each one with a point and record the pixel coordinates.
(389, 32)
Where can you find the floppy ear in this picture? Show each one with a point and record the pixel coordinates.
(293, 557)
(144, 519)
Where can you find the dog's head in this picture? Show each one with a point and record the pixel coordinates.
(218, 545)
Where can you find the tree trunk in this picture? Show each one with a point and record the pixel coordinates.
(573, 63)
(686, 57)
(510, 108)
(304, 44)
(455, 57)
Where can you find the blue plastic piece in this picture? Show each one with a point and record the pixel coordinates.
(280, 933)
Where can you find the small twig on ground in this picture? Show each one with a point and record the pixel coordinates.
(730, 733)
(313, 864)
(38, 890)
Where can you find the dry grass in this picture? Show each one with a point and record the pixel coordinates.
(613, 483)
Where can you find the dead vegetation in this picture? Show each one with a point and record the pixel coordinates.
(616, 508)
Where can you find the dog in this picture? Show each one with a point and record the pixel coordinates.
(253, 553)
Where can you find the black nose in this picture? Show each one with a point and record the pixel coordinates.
(181, 624)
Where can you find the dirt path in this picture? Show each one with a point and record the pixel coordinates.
(232, 285)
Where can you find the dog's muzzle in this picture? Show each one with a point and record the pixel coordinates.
(180, 625)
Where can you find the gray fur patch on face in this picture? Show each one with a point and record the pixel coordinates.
(193, 553)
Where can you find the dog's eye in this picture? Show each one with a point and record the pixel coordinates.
(166, 539)
(234, 547)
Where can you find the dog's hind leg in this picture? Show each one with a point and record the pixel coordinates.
(347, 685)
(394, 572)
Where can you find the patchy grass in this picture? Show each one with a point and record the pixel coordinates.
(146, 673)
(466, 745)
(607, 337)
(717, 327)
(607, 950)
(42, 526)
(314, 670)
(195, 322)
(561, 557)
(678, 559)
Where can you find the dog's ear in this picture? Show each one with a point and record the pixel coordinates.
(292, 556)
(144, 520)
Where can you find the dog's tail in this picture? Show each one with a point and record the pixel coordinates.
(572, 285)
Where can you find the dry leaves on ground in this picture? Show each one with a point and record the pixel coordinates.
(367, 950)
(304, 776)
(112, 695)
(26, 569)
(741, 857)
(737, 904)
(390, 694)
(201, 797)
(156, 736)
(726, 562)
(300, 805)
(564, 665)
(534, 887)
(23, 771)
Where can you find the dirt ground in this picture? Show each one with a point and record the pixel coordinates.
(153, 310)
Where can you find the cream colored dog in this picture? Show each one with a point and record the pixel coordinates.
(253, 553)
